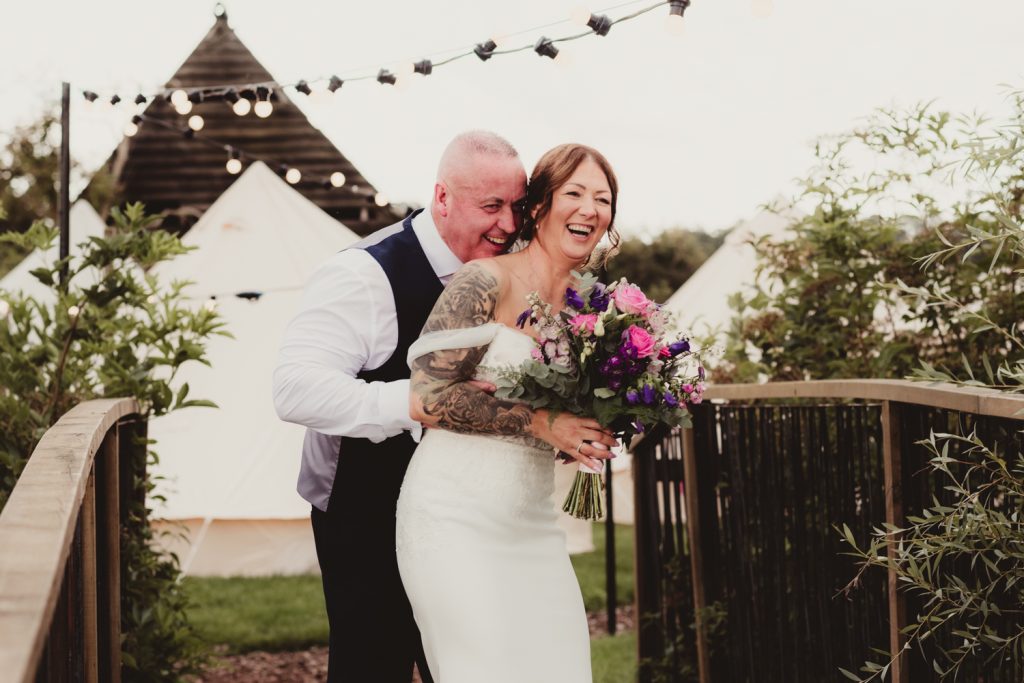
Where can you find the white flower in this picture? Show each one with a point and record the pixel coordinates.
(550, 349)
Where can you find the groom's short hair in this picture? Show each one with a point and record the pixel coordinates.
(474, 142)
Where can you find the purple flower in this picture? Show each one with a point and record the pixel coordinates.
(632, 397)
(700, 373)
(614, 383)
(572, 298)
(671, 399)
(523, 317)
(598, 298)
(638, 426)
(679, 347)
(647, 394)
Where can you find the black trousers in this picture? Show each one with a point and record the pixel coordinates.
(373, 637)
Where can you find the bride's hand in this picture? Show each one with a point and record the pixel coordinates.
(583, 438)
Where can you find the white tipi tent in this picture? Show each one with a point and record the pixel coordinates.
(229, 473)
(702, 303)
(84, 223)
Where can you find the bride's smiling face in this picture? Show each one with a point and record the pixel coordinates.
(581, 211)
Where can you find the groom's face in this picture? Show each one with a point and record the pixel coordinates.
(481, 206)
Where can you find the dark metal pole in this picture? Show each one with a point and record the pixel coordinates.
(64, 198)
(609, 551)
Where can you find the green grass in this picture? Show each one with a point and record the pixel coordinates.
(590, 568)
(613, 659)
(287, 612)
(264, 613)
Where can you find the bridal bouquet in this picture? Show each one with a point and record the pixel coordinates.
(606, 354)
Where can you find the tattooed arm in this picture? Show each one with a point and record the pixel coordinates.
(440, 380)
(442, 395)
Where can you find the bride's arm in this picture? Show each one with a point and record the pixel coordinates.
(442, 393)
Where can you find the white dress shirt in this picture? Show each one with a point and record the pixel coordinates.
(347, 323)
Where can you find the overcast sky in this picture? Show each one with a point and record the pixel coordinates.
(701, 128)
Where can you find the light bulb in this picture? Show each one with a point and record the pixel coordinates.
(196, 122)
(183, 108)
(179, 97)
(74, 311)
(579, 15)
(337, 179)
(131, 129)
(234, 166)
(293, 175)
(564, 58)
(501, 40)
(761, 8)
(211, 304)
(675, 25)
(263, 109)
(380, 199)
(242, 107)
(404, 70)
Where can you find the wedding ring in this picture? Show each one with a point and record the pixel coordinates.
(579, 447)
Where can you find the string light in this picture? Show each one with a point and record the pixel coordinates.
(579, 15)
(234, 163)
(380, 199)
(132, 127)
(674, 22)
(293, 175)
(90, 96)
(211, 304)
(196, 122)
(263, 108)
(485, 50)
(599, 24)
(115, 99)
(140, 99)
(183, 108)
(404, 70)
(337, 179)
(73, 311)
(545, 48)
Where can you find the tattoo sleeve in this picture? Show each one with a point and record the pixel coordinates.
(441, 379)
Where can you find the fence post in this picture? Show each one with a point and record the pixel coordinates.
(90, 644)
(892, 459)
(646, 577)
(696, 557)
(609, 552)
(109, 554)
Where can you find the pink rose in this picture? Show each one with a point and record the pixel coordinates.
(663, 352)
(640, 339)
(630, 299)
(583, 321)
(536, 354)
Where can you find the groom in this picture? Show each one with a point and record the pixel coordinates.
(342, 373)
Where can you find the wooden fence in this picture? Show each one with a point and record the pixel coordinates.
(60, 562)
(739, 564)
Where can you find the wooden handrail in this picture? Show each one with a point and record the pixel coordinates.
(934, 394)
(37, 527)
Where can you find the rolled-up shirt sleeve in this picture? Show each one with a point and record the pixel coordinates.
(345, 323)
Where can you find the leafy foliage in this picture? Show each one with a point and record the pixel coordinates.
(964, 559)
(660, 266)
(29, 181)
(831, 300)
(113, 330)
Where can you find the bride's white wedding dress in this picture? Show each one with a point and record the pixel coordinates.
(482, 560)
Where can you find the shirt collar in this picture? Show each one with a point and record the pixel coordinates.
(441, 258)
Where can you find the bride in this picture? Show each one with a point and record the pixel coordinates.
(482, 560)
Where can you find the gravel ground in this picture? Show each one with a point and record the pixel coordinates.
(310, 666)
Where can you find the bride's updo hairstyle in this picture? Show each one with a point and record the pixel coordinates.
(552, 172)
